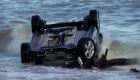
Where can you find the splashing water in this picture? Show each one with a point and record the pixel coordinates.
(120, 50)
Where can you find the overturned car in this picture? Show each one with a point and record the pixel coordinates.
(67, 44)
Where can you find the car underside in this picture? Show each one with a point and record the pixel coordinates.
(66, 44)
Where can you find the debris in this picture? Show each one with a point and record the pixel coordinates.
(134, 70)
(103, 63)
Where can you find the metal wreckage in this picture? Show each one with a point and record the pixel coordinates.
(68, 44)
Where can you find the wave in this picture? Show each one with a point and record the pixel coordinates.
(12, 34)
(119, 49)
(12, 37)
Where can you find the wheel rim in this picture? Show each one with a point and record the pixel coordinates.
(89, 49)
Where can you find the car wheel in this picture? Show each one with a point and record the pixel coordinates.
(94, 18)
(36, 23)
(86, 49)
(25, 57)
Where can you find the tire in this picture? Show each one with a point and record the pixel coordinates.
(25, 56)
(94, 18)
(81, 49)
(36, 23)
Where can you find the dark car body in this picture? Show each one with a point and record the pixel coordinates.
(74, 44)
